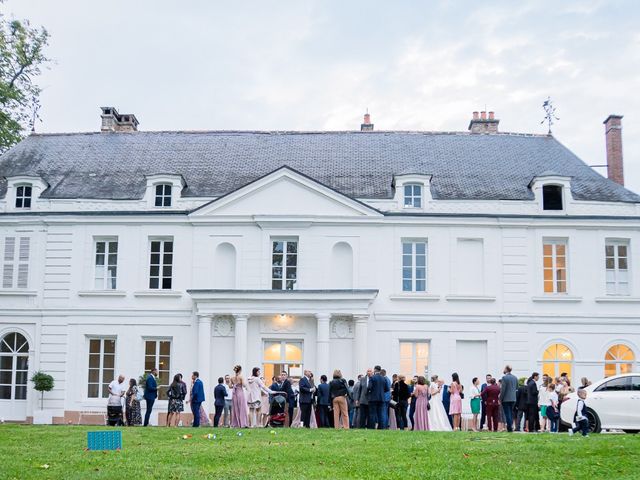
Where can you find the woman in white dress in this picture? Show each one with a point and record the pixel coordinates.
(255, 387)
(438, 420)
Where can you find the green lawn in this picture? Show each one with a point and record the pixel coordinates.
(162, 453)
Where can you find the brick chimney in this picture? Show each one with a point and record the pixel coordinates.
(112, 121)
(366, 126)
(613, 136)
(481, 124)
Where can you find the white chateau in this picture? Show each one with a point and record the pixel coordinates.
(424, 252)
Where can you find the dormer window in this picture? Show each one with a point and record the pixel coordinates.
(552, 197)
(163, 195)
(23, 196)
(413, 195)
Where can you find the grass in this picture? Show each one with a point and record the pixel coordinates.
(161, 453)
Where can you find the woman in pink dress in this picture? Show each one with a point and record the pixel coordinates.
(455, 401)
(239, 409)
(421, 416)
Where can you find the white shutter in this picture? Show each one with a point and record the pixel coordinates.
(9, 257)
(23, 265)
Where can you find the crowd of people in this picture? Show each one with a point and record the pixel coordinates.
(372, 401)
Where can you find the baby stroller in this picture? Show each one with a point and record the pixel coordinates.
(278, 410)
(114, 416)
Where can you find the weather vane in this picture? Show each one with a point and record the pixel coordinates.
(550, 113)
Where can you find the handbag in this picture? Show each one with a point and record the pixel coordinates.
(139, 394)
(393, 403)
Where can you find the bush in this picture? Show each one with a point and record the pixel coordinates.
(42, 382)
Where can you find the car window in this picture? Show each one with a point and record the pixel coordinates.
(635, 384)
(615, 385)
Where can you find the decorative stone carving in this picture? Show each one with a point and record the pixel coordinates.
(223, 327)
(341, 327)
(280, 324)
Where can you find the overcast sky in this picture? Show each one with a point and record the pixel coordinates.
(316, 65)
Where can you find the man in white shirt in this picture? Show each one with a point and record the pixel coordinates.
(228, 402)
(117, 390)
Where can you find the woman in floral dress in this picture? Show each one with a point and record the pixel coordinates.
(134, 416)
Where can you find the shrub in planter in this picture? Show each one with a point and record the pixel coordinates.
(42, 382)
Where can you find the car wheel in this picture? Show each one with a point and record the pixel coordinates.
(594, 421)
(632, 432)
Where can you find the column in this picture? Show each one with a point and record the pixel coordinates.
(204, 350)
(240, 350)
(361, 323)
(322, 339)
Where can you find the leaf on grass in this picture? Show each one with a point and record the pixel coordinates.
(466, 455)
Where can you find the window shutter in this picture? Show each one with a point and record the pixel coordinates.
(9, 256)
(23, 265)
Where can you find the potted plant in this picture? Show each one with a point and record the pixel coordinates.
(42, 382)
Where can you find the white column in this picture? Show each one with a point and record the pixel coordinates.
(204, 349)
(240, 350)
(322, 355)
(361, 323)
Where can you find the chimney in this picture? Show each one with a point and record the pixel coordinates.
(112, 121)
(482, 124)
(366, 126)
(613, 136)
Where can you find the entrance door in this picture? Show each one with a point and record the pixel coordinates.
(279, 356)
(471, 361)
(14, 368)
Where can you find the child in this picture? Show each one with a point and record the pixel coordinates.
(582, 423)
(552, 408)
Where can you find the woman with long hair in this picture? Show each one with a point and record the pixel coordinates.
(455, 400)
(134, 416)
(475, 400)
(239, 408)
(176, 401)
(255, 388)
(421, 397)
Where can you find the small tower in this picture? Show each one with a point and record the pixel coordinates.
(366, 126)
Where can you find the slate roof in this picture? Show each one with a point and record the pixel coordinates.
(357, 164)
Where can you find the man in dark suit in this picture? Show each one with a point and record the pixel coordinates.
(446, 401)
(363, 400)
(375, 394)
(197, 397)
(483, 404)
(533, 419)
(508, 388)
(324, 401)
(306, 398)
(521, 405)
(285, 386)
(219, 396)
(150, 393)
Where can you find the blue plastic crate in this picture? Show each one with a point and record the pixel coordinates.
(108, 440)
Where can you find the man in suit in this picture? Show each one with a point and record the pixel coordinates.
(521, 405)
(508, 388)
(356, 402)
(387, 399)
(446, 400)
(219, 397)
(306, 398)
(483, 404)
(197, 397)
(324, 401)
(491, 396)
(285, 386)
(150, 393)
(376, 390)
(533, 418)
(363, 399)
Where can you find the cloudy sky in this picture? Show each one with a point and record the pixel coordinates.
(316, 65)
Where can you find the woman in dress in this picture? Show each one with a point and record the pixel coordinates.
(134, 416)
(455, 401)
(475, 401)
(264, 407)
(255, 388)
(176, 402)
(239, 409)
(438, 418)
(421, 396)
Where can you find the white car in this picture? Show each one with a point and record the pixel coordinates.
(613, 403)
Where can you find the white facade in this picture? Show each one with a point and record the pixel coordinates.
(482, 305)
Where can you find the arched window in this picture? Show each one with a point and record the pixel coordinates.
(618, 359)
(224, 266)
(341, 274)
(14, 367)
(557, 359)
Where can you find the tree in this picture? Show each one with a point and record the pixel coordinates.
(21, 60)
(42, 382)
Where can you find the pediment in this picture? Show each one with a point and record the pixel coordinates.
(285, 192)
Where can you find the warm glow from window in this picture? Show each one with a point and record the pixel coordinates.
(557, 358)
(618, 359)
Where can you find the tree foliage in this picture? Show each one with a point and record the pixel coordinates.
(21, 59)
(42, 382)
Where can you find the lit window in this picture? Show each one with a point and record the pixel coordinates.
(618, 359)
(414, 358)
(617, 267)
(163, 195)
(413, 196)
(281, 356)
(157, 354)
(15, 265)
(557, 359)
(106, 273)
(555, 266)
(102, 358)
(552, 197)
(23, 196)
(414, 266)
(161, 265)
(284, 264)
